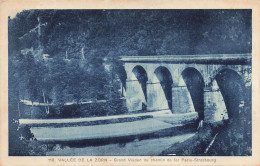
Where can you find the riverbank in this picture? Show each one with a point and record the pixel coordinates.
(195, 145)
(228, 138)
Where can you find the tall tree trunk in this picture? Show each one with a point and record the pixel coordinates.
(66, 54)
(82, 53)
(39, 31)
(19, 109)
(44, 101)
(48, 107)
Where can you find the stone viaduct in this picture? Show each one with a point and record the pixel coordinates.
(215, 86)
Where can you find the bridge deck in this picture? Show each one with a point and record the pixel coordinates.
(190, 58)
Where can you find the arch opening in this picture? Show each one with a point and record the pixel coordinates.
(233, 91)
(165, 78)
(142, 78)
(195, 85)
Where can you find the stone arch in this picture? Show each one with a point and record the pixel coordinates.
(140, 74)
(194, 81)
(232, 88)
(218, 70)
(165, 78)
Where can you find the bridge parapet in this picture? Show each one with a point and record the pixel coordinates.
(207, 58)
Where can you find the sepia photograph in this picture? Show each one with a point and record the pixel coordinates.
(130, 82)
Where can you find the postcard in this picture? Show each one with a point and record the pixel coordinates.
(129, 83)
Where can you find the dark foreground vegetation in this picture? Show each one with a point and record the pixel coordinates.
(229, 141)
(231, 137)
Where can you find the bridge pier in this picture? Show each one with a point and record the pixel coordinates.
(214, 105)
(134, 95)
(181, 100)
(156, 99)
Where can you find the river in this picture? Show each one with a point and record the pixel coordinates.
(146, 147)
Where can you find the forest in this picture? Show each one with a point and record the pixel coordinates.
(60, 54)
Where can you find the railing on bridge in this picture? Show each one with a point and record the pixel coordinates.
(237, 58)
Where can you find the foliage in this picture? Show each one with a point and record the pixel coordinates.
(78, 42)
(19, 138)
